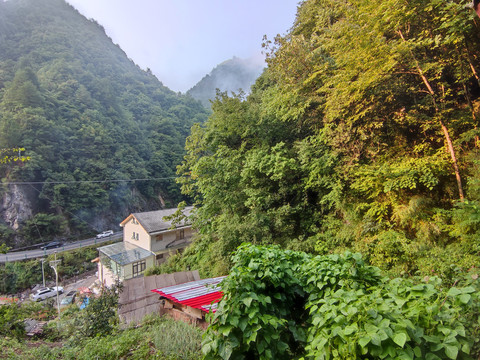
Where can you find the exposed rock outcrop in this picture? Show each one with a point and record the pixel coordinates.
(16, 205)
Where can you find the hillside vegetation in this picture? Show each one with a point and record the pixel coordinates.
(233, 75)
(154, 338)
(88, 118)
(361, 134)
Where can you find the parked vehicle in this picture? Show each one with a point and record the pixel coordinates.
(52, 245)
(45, 293)
(69, 298)
(105, 234)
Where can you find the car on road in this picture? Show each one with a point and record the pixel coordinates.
(45, 293)
(52, 245)
(105, 234)
(69, 298)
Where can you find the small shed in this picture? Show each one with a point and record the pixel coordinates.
(137, 299)
(190, 301)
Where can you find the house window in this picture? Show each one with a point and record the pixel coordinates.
(180, 234)
(134, 221)
(159, 256)
(138, 268)
(159, 237)
(135, 236)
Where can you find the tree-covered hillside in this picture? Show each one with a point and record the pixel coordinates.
(230, 76)
(361, 134)
(88, 118)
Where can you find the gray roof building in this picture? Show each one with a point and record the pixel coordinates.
(154, 222)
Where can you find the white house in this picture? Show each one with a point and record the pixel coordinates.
(148, 239)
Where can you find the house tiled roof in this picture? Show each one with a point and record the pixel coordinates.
(153, 221)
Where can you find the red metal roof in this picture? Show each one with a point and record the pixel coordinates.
(201, 294)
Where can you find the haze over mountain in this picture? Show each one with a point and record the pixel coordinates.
(181, 41)
(90, 120)
(230, 76)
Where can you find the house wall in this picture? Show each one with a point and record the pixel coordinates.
(105, 275)
(168, 237)
(126, 272)
(130, 228)
(180, 315)
(128, 269)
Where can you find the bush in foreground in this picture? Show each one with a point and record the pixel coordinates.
(281, 304)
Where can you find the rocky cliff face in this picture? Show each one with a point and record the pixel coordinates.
(16, 205)
(20, 203)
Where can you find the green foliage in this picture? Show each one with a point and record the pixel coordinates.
(85, 114)
(283, 304)
(6, 238)
(76, 261)
(99, 317)
(396, 319)
(262, 314)
(20, 275)
(154, 338)
(43, 226)
(13, 315)
(359, 135)
(11, 323)
(4, 248)
(14, 154)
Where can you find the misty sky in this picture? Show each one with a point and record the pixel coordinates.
(183, 40)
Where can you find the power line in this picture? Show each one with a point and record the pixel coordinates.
(83, 181)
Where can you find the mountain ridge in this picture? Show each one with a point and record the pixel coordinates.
(85, 113)
(230, 76)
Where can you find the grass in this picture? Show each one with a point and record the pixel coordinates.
(156, 338)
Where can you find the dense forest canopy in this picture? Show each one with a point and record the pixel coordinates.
(361, 134)
(84, 113)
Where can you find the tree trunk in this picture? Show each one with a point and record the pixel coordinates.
(448, 140)
(454, 159)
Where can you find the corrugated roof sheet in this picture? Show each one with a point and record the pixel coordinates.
(153, 221)
(201, 294)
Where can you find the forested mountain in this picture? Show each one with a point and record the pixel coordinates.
(88, 118)
(230, 76)
(361, 134)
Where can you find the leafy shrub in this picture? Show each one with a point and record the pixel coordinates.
(262, 313)
(284, 304)
(100, 315)
(13, 315)
(11, 323)
(396, 320)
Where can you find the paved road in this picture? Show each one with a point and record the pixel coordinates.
(33, 254)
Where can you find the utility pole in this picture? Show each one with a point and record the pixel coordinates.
(54, 265)
(43, 272)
